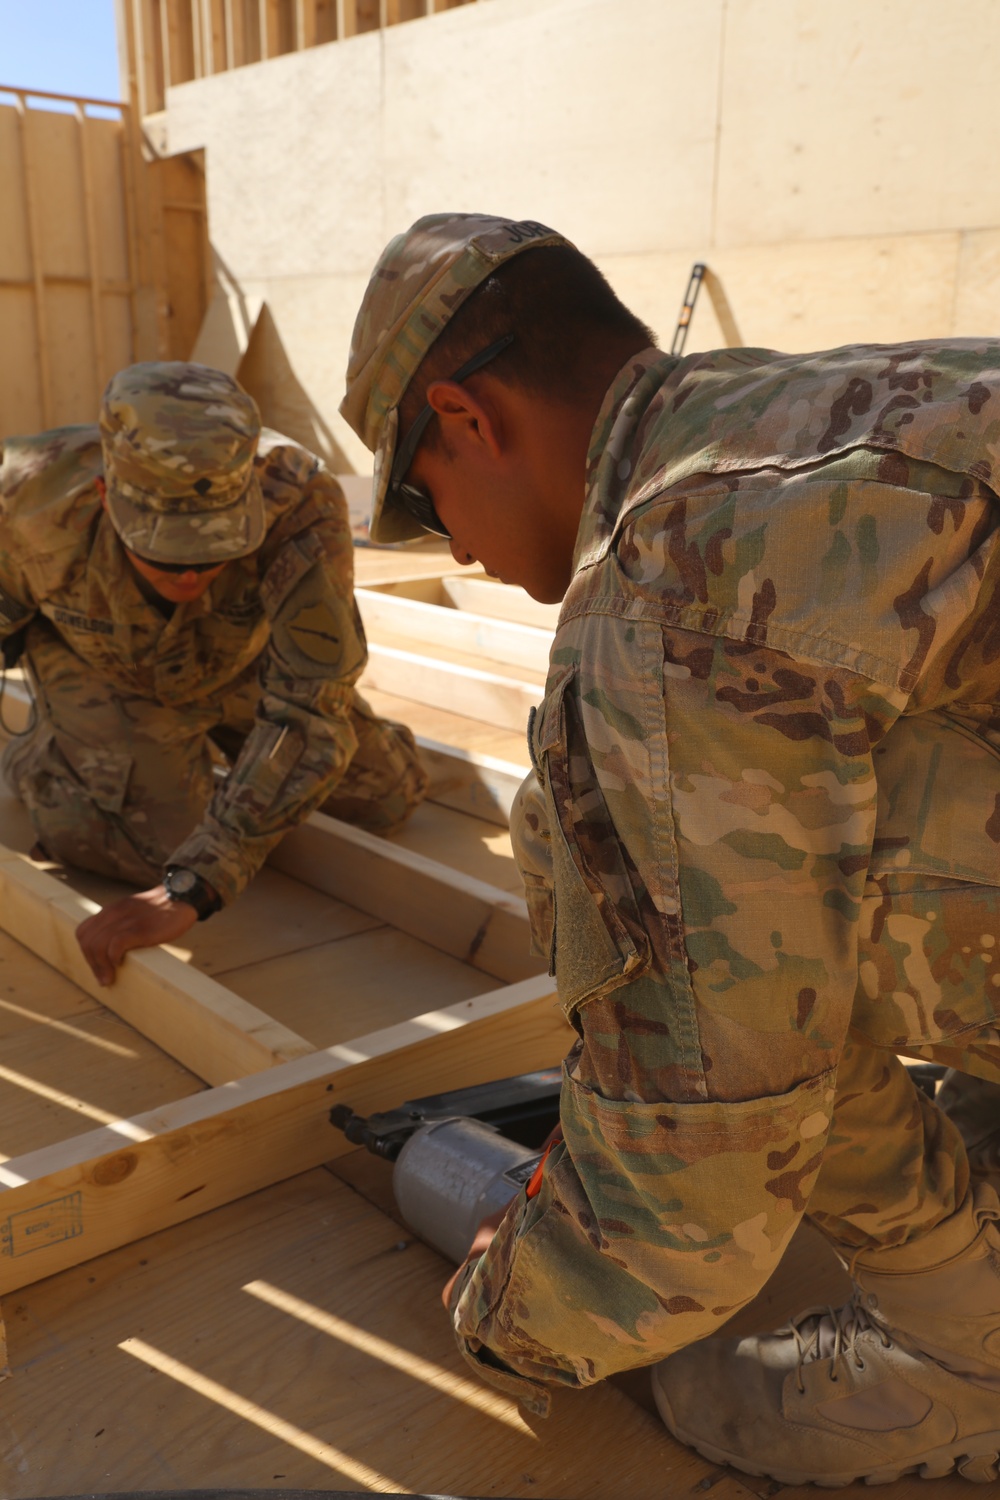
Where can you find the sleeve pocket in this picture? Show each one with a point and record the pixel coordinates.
(598, 941)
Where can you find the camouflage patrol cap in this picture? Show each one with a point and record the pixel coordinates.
(421, 280)
(179, 443)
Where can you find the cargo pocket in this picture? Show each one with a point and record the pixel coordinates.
(686, 1179)
(597, 941)
(103, 773)
(531, 838)
(269, 758)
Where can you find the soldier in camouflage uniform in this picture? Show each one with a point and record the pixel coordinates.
(766, 798)
(182, 589)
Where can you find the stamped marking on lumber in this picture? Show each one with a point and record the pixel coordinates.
(37, 1228)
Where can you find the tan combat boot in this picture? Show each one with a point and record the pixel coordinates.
(904, 1379)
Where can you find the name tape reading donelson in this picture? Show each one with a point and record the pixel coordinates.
(47, 1224)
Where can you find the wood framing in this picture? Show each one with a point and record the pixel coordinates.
(485, 596)
(492, 639)
(266, 1115)
(213, 1032)
(504, 702)
(174, 41)
(67, 1203)
(475, 922)
(481, 785)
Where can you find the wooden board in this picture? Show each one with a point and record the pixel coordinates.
(335, 991)
(464, 843)
(294, 1339)
(492, 696)
(470, 920)
(456, 729)
(487, 596)
(66, 1063)
(64, 1204)
(197, 1021)
(389, 616)
(482, 785)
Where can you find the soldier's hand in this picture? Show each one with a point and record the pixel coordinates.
(481, 1243)
(139, 921)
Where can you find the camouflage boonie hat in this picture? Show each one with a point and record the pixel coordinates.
(420, 281)
(179, 443)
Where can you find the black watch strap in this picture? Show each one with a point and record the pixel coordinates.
(184, 885)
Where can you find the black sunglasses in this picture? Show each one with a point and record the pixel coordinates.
(410, 497)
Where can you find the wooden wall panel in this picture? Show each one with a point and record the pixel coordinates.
(104, 143)
(20, 377)
(180, 186)
(76, 268)
(15, 246)
(118, 336)
(75, 385)
(177, 40)
(174, 41)
(58, 185)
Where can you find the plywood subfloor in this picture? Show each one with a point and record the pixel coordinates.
(292, 1339)
(453, 657)
(321, 967)
(66, 1063)
(422, 559)
(464, 843)
(451, 729)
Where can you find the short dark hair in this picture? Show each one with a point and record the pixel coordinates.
(558, 306)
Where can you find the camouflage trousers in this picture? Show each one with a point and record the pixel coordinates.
(115, 782)
(894, 1165)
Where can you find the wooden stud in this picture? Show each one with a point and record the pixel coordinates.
(234, 55)
(324, 21)
(305, 24)
(513, 644)
(198, 38)
(65, 1204)
(199, 1022)
(167, 49)
(475, 922)
(481, 785)
(129, 151)
(139, 34)
(37, 271)
(484, 596)
(501, 701)
(347, 18)
(101, 371)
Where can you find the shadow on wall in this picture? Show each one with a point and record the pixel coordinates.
(239, 335)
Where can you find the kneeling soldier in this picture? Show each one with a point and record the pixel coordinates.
(180, 585)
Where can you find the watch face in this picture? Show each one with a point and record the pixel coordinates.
(182, 882)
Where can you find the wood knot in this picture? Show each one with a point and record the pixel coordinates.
(114, 1169)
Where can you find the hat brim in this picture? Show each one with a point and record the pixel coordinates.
(389, 521)
(193, 536)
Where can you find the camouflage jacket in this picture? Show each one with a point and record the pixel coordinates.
(289, 608)
(778, 557)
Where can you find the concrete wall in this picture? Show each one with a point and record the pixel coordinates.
(835, 163)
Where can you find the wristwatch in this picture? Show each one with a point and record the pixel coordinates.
(184, 885)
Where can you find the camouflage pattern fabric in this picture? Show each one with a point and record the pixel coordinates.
(117, 773)
(767, 805)
(421, 279)
(179, 442)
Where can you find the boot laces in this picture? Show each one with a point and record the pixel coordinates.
(832, 1333)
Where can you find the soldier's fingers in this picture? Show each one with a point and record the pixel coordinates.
(95, 952)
